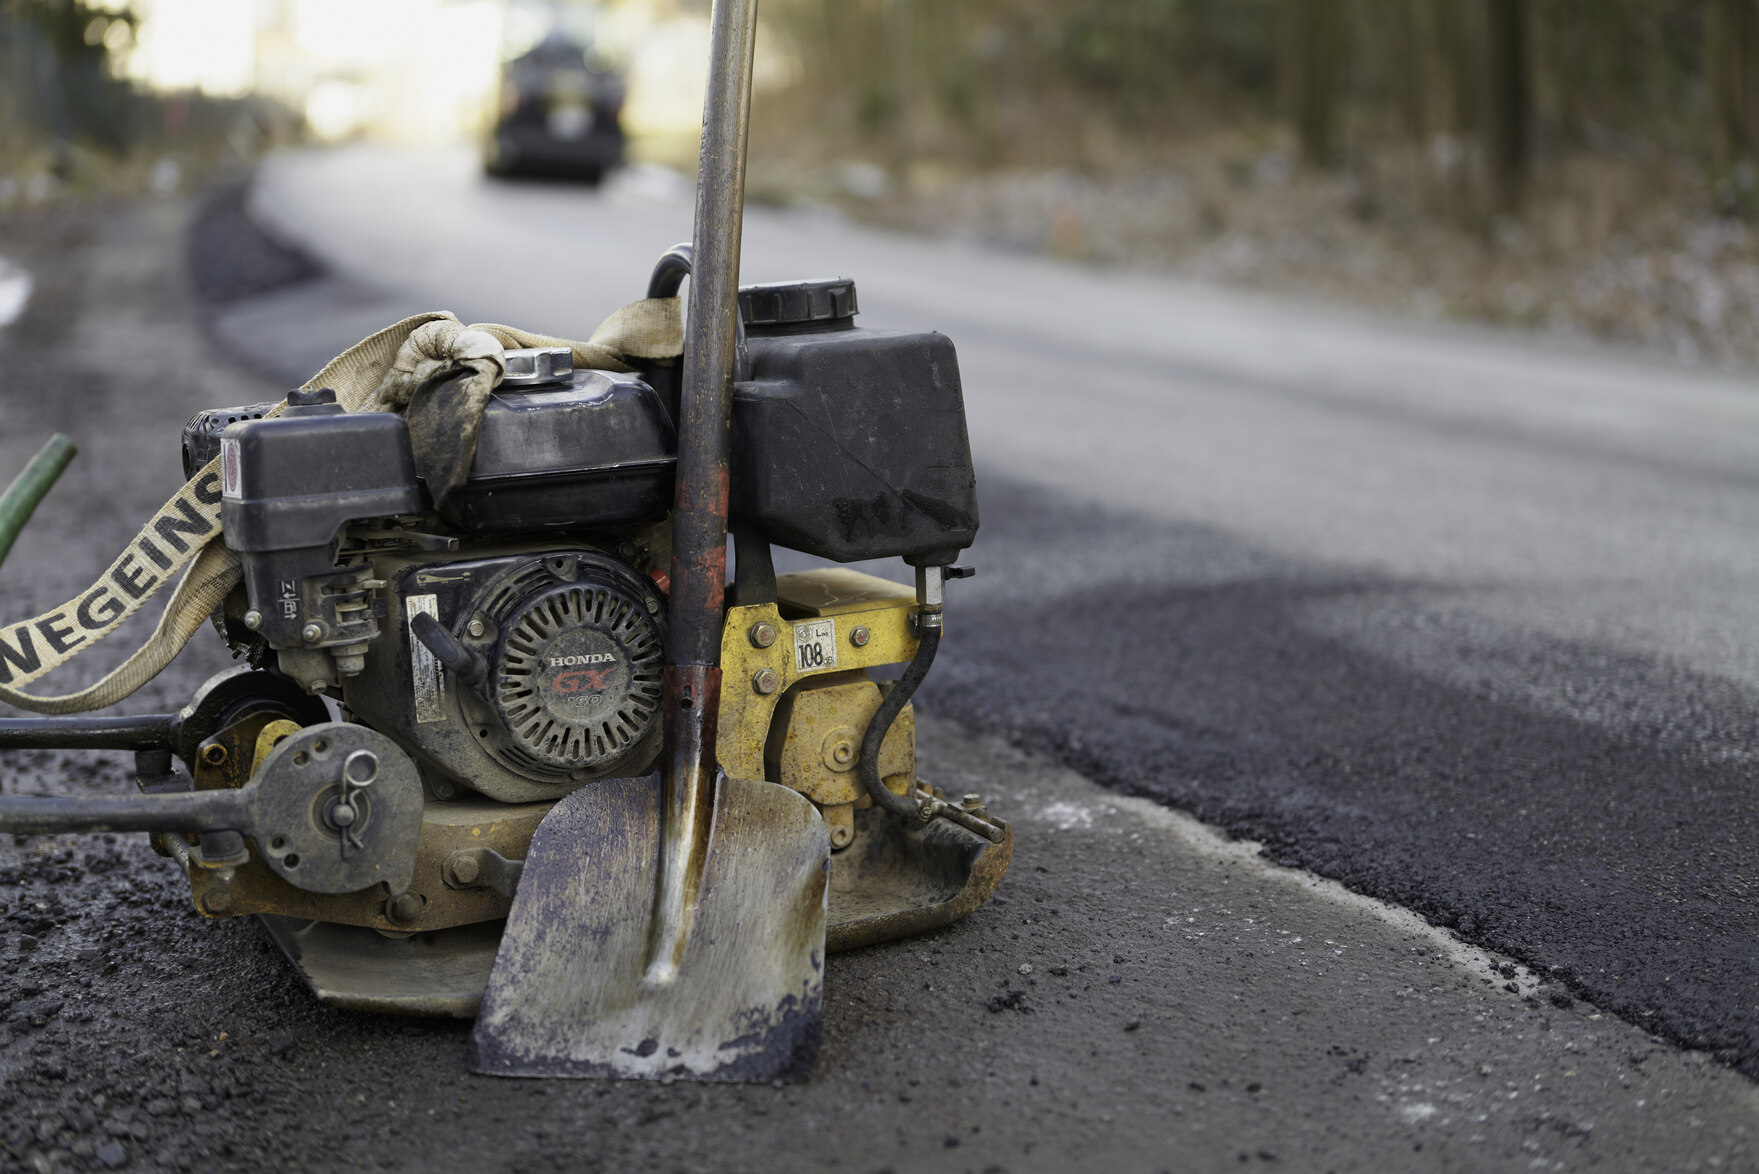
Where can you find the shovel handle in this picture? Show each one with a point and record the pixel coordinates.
(699, 521)
(692, 699)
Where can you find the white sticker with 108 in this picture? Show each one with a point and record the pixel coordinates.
(815, 645)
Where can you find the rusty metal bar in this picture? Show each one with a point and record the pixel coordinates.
(699, 522)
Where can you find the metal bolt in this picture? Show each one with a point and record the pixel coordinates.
(763, 634)
(859, 637)
(766, 681)
(217, 900)
(844, 752)
(970, 800)
(312, 632)
(253, 619)
(214, 754)
(476, 628)
(466, 868)
(404, 908)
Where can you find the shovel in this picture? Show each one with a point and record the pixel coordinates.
(674, 926)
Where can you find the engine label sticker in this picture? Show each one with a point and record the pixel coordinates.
(815, 645)
(231, 478)
(424, 667)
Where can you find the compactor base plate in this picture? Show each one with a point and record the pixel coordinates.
(892, 882)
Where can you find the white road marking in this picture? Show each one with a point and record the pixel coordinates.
(1244, 855)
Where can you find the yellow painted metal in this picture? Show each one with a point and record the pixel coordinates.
(815, 741)
(446, 827)
(835, 591)
(230, 757)
(840, 821)
(268, 739)
(753, 678)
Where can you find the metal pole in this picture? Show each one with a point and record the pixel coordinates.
(144, 732)
(699, 522)
(189, 811)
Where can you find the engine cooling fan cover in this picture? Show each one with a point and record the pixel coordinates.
(577, 678)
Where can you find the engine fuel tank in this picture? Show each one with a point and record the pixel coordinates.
(594, 449)
(849, 443)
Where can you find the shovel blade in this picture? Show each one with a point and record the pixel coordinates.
(568, 994)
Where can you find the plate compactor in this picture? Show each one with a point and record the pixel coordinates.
(506, 745)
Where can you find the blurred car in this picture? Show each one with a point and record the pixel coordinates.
(559, 113)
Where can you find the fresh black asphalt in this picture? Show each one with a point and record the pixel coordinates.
(1615, 849)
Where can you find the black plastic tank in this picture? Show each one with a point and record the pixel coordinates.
(849, 443)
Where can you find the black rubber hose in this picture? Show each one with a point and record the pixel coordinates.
(669, 272)
(894, 703)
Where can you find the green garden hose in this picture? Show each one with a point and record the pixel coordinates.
(29, 487)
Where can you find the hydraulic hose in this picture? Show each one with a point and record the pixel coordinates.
(906, 804)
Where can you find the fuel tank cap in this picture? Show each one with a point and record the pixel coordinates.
(798, 307)
(537, 366)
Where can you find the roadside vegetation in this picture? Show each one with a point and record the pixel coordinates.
(71, 124)
(1587, 167)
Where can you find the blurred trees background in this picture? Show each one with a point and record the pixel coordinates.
(66, 114)
(1465, 103)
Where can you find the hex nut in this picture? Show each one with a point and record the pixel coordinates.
(253, 619)
(476, 629)
(217, 900)
(466, 868)
(859, 637)
(312, 632)
(763, 634)
(766, 681)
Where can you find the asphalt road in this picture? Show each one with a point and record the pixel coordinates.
(1449, 617)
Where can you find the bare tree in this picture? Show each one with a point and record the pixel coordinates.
(1312, 66)
(1507, 105)
(1731, 67)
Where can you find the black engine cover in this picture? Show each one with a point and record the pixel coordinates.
(596, 451)
(574, 644)
(575, 678)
